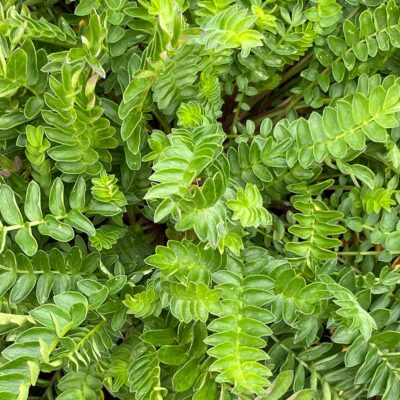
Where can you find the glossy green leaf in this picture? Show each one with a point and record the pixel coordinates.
(22, 287)
(8, 206)
(32, 204)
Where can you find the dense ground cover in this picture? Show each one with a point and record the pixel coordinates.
(199, 199)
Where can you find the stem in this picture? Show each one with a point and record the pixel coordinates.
(296, 68)
(162, 120)
(37, 2)
(237, 112)
(32, 90)
(264, 233)
(35, 223)
(282, 110)
(381, 159)
(344, 187)
(234, 136)
(361, 253)
(6, 162)
(88, 335)
(55, 42)
(351, 14)
(278, 111)
(35, 272)
(49, 391)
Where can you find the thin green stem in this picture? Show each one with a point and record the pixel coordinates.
(35, 272)
(30, 224)
(361, 253)
(35, 223)
(45, 3)
(237, 112)
(234, 136)
(32, 90)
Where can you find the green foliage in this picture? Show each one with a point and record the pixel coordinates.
(238, 342)
(106, 190)
(106, 236)
(57, 223)
(35, 150)
(248, 208)
(75, 124)
(316, 224)
(199, 200)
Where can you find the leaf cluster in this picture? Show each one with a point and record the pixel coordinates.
(199, 199)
